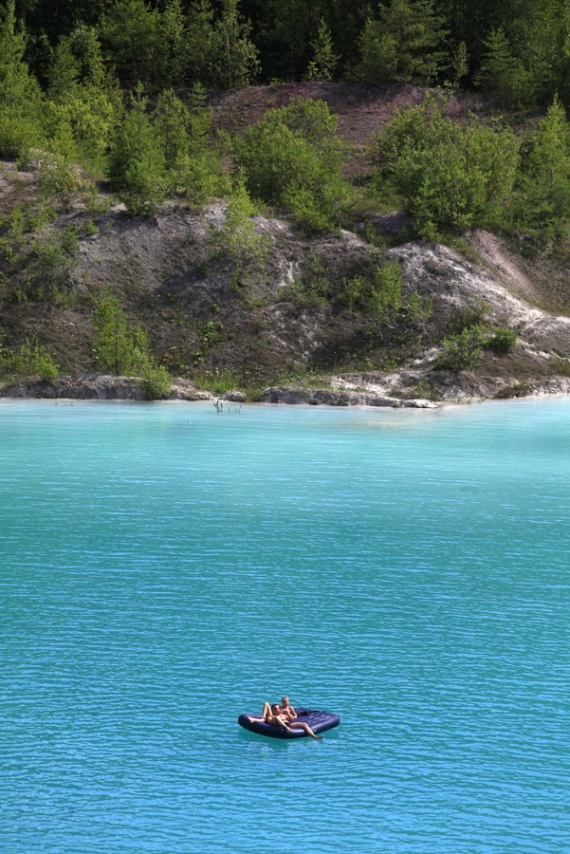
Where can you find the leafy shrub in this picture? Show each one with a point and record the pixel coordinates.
(463, 351)
(377, 292)
(59, 180)
(293, 158)
(156, 382)
(468, 316)
(448, 176)
(123, 349)
(521, 389)
(238, 237)
(218, 382)
(502, 341)
(32, 358)
(18, 136)
(386, 299)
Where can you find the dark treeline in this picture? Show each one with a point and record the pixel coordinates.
(516, 48)
(122, 87)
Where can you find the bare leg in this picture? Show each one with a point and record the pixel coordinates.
(279, 721)
(306, 727)
(265, 715)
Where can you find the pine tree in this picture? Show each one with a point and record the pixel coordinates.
(171, 119)
(502, 74)
(63, 74)
(545, 183)
(403, 45)
(20, 95)
(325, 61)
(236, 57)
(460, 64)
(201, 115)
(378, 54)
(137, 163)
(130, 31)
(200, 42)
(201, 172)
(288, 36)
(85, 103)
(173, 33)
(239, 237)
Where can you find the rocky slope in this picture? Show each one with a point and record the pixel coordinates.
(261, 321)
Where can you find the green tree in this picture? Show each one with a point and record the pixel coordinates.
(404, 44)
(502, 74)
(449, 176)
(171, 119)
(63, 74)
(201, 114)
(292, 157)
(173, 34)
(289, 28)
(239, 237)
(20, 95)
(201, 176)
(545, 175)
(324, 61)
(122, 349)
(201, 42)
(137, 164)
(192, 164)
(236, 57)
(460, 64)
(84, 102)
(131, 34)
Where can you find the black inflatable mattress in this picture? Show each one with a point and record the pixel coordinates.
(318, 721)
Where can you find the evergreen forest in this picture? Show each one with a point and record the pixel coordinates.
(122, 88)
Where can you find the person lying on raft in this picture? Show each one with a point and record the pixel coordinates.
(285, 710)
(272, 716)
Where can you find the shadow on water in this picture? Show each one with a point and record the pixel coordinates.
(265, 740)
(282, 743)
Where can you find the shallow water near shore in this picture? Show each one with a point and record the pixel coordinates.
(164, 567)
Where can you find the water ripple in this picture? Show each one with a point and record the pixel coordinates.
(164, 569)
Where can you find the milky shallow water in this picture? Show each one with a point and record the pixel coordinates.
(164, 567)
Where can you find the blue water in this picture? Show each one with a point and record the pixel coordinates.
(165, 568)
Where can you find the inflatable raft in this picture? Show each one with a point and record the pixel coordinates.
(318, 721)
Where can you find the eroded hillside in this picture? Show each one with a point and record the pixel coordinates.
(272, 310)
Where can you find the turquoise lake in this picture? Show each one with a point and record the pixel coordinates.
(164, 567)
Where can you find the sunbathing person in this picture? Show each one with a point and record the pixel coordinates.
(279, 719)
(287, 709)
(284, 709)
(274, 716)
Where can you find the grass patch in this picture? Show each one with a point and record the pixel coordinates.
(522, 389)
(218, 382)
